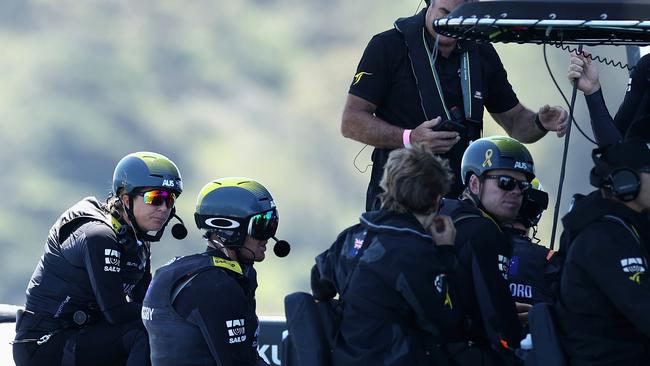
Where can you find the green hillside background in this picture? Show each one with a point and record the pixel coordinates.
(246, 88)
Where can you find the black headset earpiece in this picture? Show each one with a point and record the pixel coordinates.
(623, 183)
(179, 231)
(281, 248)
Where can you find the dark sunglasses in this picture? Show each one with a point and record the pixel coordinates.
(157, 197)
(263, 226)
(508, 183)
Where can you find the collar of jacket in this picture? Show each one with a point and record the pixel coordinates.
(594, 207)
(385, 221)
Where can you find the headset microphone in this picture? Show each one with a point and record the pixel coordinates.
(178, 230)
(281, 248)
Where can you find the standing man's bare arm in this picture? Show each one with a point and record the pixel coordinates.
(360, 123)
(519, 122)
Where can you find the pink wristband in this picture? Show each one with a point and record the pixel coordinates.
(406, 138)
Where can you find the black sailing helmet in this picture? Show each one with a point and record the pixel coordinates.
(496, 152)
(234, 207)
(146, 169)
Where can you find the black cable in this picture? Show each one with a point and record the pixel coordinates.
(550, 73)
(354, 162)
(602, 60)
(567, 139)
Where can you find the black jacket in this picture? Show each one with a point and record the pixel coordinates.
(90, 263)
(200, 310)
(396, 300)
(604, 289)
(484, 253)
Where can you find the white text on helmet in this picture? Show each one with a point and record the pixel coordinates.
(168, 183)
(520, 165)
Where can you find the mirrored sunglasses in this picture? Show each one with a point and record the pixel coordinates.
(157, 197)
(263, 226)
(508, 183)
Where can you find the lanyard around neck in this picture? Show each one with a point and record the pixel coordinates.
(465, 78)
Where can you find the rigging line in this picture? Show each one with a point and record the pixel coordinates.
(567, 139)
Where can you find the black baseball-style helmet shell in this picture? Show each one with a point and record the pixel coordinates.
(496, 152)
(232, 197)
(146, 169)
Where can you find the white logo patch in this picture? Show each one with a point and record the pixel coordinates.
(504, 265)
(236, 331)
(478, 95)
(112, 260)
(633, 265)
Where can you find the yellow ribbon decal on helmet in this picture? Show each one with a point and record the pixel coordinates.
(357, 77)
(636, 277)
(488, 158)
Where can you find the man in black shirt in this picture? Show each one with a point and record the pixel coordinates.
(84, 298)
(200, 309)
(397, 97)
(604, 287)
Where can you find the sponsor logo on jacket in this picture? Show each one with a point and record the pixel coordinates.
(236, 331)
(111, 260)
(636, 266)
(147, 313)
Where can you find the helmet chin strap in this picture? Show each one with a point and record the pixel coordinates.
(475, 197)
(234, 247)
(131, 218)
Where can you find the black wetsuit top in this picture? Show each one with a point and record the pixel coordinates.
(85, 294)
(200, 310)
(87, 265)
(636, 104)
